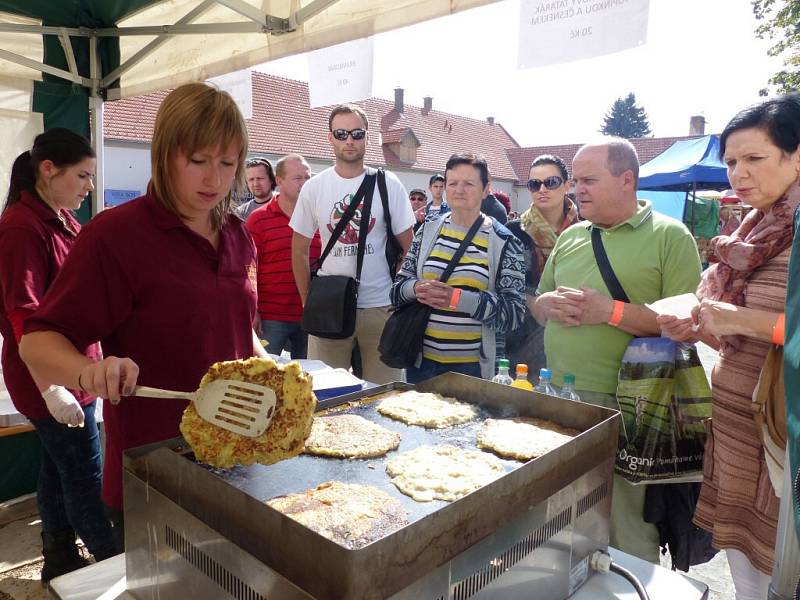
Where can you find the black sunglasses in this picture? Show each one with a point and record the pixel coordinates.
(356, 134)
(550, 183)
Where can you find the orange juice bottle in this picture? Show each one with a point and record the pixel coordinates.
(521, 381)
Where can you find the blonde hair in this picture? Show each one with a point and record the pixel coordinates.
(193, 117)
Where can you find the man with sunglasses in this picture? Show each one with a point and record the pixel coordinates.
(322, 202)
(261, 183)
(586, 330)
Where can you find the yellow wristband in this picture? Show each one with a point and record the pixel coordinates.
(778, 330)
(616, 314)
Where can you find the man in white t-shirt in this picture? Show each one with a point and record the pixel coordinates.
(322, 201)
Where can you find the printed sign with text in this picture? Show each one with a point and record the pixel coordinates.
(341, 73)
(559, 31)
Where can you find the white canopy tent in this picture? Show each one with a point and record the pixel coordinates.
(172, 42)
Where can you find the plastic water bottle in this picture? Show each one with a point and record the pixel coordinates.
(502, 373)
(544, 385)
(521, 381)
(568, 390)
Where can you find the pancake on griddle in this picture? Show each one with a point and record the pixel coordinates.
(350, 514)
(349, 436)
(429, 410)
(522, 438)
(286, 434)
(442, 472)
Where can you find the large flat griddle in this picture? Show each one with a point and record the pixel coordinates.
(231, 501)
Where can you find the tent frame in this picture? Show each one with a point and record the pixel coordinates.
(99, 87)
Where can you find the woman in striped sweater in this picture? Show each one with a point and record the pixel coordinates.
(484, 294)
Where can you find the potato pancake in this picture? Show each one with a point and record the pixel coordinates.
(350, 514)
(349, 436)
(285, 435)
(523, 438)
(442, 472)
(432, 411)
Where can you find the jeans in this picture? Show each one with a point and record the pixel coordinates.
(68, 490)
(430, 368)
(285, 336)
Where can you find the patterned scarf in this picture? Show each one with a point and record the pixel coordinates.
(542, 233)
(760, 237)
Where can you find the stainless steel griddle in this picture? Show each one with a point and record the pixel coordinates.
(194, 531)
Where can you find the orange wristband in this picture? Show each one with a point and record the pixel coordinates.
(778, 330)
(454, 298)
(616, 314)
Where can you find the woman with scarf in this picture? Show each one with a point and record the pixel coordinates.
(550, 213)
(741, 313)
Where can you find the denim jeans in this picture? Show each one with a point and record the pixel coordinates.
(68, 491)
(430, 368)
(285, 336)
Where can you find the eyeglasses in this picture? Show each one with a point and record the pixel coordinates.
(550, 183)
(418, 199)
(356, 134)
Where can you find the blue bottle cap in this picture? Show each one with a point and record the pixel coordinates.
(545, 373)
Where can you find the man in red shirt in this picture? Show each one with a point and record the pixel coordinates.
(279, 302)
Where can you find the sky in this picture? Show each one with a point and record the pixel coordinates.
(701, 58)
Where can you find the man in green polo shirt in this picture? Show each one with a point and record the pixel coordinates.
(791, 365)
(586, 334)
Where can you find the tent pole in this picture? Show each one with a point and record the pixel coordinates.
(96, 108)
(694, 201)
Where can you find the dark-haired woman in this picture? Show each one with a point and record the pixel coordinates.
(37, 231)
(550, 213)
(741, 313)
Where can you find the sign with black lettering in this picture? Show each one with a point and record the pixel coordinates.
(559, 31)
(341, 73)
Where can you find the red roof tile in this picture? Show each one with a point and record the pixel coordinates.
(283, 122)
(646, 148)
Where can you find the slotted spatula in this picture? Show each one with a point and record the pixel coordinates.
(238, 406)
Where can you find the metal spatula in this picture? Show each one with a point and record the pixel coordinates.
(238, 406)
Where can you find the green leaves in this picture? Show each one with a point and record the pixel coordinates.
(781, 25)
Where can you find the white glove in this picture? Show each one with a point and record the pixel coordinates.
(63, 406)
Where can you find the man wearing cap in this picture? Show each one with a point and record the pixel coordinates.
(419, 201)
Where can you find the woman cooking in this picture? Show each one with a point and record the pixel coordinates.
(741, 313)
(165, 283)
(485, 292)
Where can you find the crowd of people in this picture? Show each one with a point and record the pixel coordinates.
(156, 290)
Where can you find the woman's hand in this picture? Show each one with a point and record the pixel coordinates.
(433, 293)
(109, 378)
(678, 330)
(720, 318)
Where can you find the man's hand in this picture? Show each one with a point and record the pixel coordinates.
(562, 305)
(678, 330)
(420, 215)
(596, 307)
(433, 293)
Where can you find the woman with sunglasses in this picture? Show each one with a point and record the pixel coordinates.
(550, 213)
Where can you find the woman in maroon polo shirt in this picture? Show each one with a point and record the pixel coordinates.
(166, 282)
(37, 231)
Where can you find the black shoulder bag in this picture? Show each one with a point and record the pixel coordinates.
(607, 272)
(404, 332)
(330, 309)
(394, 251)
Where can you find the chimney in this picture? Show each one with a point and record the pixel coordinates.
(490, 120)
(697, 125)
(427, 104)
(398, 99)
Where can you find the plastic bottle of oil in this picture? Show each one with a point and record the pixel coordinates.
(521, 381)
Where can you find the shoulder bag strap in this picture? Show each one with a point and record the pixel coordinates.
(462, 248)
(609, 277)
(387, 216)
(348, 214)
(363, 228)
